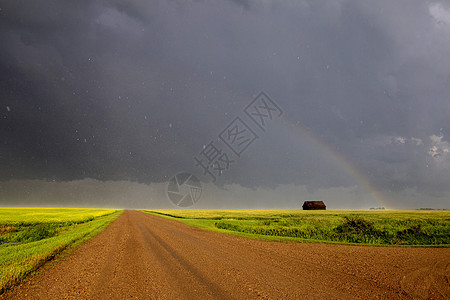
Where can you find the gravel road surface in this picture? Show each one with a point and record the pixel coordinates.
(141, 256)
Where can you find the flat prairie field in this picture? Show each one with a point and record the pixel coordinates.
(31, 236)
(384, 228)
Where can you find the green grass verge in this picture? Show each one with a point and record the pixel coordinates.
(381, 228)
(28, 241)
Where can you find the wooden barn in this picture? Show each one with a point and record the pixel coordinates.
(314, 205)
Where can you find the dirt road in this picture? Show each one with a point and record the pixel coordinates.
(148, 257)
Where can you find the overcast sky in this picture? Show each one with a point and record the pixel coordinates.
(97, 92)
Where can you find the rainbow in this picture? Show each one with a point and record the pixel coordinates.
(337, 157)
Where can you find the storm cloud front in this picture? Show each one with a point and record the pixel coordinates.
(103, 102)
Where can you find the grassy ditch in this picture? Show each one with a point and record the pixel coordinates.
(413, 228)
(31, 236)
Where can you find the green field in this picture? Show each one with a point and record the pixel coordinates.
(423, 228)
(31, 236)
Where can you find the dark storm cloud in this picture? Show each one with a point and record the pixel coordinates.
(132, 90)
